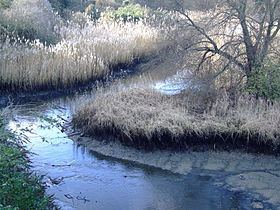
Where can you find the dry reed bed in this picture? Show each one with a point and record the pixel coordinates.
(83, 54)
(142, 117)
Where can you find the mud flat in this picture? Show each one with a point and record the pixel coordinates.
(258, 175)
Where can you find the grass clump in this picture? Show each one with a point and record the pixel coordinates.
(265, 81)
(143, 117)
(18, 188)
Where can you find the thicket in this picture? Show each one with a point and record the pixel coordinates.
(129, 12)
(265, 81)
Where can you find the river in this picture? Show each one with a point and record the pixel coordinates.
(82, 179)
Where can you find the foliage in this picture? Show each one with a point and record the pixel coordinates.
(265, 81)
(66, 7)
(92, 12)
(129, 12)
(18, 188)
(59, 5)
(175, 5)
(4, 4)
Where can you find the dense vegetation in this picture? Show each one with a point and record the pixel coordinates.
(129, 12)
(46, 45)
(230, 49)
(73, 60)
(82, 49)
(19, 189)
(265, 82)
(238, 63)
(5, 4)
(147, 118)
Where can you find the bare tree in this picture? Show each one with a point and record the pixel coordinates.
(247, 29)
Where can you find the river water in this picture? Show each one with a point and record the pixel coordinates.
(79, 179)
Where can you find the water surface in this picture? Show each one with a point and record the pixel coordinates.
(79, 179)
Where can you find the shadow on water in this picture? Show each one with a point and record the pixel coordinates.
(79, 179)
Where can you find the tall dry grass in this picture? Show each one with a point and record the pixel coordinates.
(30, 18)
(85, 52)
(135, 115)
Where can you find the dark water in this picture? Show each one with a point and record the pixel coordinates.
(79, 179)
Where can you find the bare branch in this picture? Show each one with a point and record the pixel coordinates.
(244, 31)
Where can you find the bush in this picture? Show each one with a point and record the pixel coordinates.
(129, 12)
(59, 5)
(265, 82)
(4, 4)
(19, 189)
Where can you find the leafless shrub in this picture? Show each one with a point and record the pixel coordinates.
(237, 35)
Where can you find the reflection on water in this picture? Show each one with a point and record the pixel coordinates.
(81, 180)
(174, 84)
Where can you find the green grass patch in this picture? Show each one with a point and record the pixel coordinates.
(19, 189)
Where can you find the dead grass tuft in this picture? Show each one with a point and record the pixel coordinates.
(146, 117)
